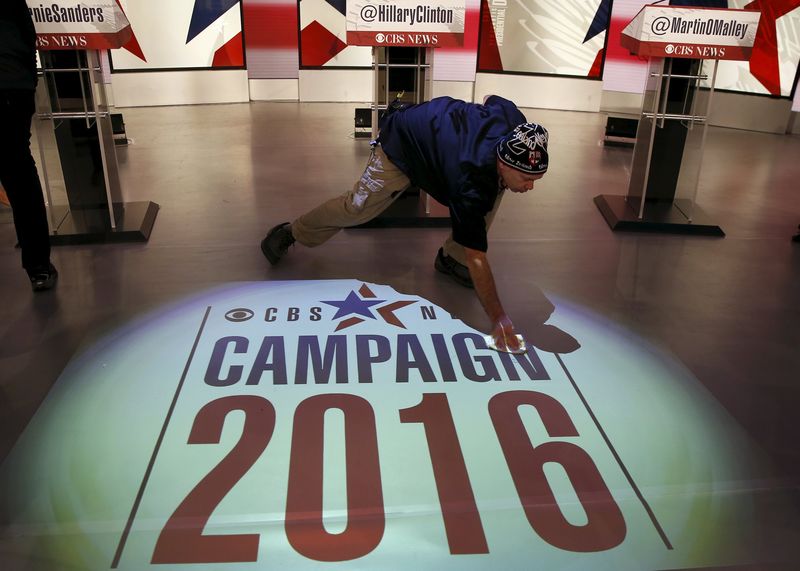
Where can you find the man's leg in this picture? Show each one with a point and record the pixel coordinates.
(456, 251)
(381, 183)
(20, 179)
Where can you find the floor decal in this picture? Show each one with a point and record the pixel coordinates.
(313, 425)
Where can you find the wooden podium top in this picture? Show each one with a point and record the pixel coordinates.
(79, 24)
(694, 33)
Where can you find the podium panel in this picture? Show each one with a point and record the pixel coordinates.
(667, 156)
(78, 155)
(684, 43)
(404, 74)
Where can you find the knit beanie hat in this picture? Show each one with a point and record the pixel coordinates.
(525, 148)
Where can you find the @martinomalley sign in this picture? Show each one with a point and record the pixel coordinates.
(343, 425)
(697, 33)
(410, 23)
(79, 24)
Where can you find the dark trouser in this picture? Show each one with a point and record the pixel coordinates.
(20, 179)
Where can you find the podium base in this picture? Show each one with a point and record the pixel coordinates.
(91, 225)
(408, 211)
(666, 217)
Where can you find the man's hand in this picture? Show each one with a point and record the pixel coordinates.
(505, 336)
(503, 332)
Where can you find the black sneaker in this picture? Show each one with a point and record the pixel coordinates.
(457, 271)
(277, 242)
(43, 278)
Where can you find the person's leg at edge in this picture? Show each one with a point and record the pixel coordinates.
(380, 184)
(20, 179)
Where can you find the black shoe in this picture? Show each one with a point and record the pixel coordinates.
(458, 272)
(796, 238)
(277, 242)
(43, 278)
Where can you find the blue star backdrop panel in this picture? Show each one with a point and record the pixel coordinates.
(601, 20)
(340, 5)
(183, 34)
(205, 13)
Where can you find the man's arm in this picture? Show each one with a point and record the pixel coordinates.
(503, 331)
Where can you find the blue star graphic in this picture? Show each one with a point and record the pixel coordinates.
(354, 304)
(601, 20)
(205, 13)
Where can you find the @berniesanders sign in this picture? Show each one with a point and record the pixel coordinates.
(698, 33)
(405, 23)
(79, 24)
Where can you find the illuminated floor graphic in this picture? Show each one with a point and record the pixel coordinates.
(306, 425)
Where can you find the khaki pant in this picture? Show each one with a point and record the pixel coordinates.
(379, 186)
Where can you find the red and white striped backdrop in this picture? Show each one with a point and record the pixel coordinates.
(623, 72)
(271, 39)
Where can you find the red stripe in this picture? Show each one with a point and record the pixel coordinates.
(764, 63)
(472, 19)
(408, 39)
(132, 45)
(319, 45)
(270, 25)
(659, 49)
(597, 65)
(616, 51)
(231, 54)
(83, 41)
(348, 322)
(489, 50)
(387, 312)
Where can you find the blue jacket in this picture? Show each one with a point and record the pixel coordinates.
(448, 148)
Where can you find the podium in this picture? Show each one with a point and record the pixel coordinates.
(411, 45)
(414, 208)
(73, 128)
(684, 46)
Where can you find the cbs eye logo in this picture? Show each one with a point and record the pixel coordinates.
(239, 314)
